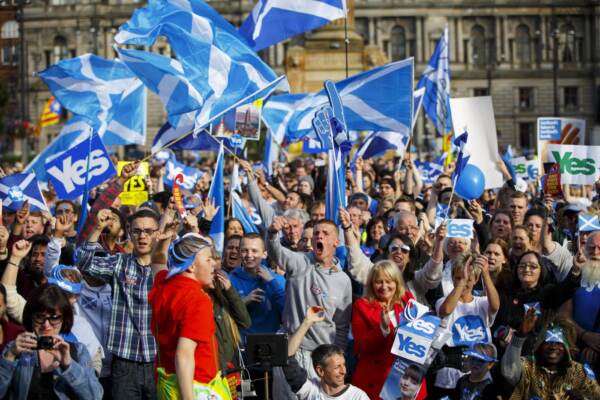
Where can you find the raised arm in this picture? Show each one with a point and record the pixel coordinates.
(490, 289)
(15, 303)
(449, 304)
(168, 227)
(510, 366)
(287, 259)
(264, 209)
(313, 315)
(430, 276)
(359, 264)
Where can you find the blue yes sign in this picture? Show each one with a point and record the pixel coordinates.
(414, 338)
(460, 228)
(67, 172)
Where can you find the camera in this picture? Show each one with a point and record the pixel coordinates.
(267, 350)
(45, 343)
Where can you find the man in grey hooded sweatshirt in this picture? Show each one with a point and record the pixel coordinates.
(313, 279)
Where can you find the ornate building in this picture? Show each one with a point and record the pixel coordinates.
(536, 58)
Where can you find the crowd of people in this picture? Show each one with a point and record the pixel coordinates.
(140, 303)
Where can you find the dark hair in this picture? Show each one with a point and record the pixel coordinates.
(503, 246)
(306, 200)
(230, 220)
(71, 203)
(370, 225)
(388, 181)
(310, 224)
(502, 211)
(409, 271)
(415, 372)
(544, 273)
(230, 238)
(524, 228)
(122, 221)
(317, 203)
(162, 198)
(406, 199)
(536, 212)
(443, 192)
(320, 355)
(143, 213)
(48, 298)
(37, 240)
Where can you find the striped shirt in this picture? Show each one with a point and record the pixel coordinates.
(130, 334)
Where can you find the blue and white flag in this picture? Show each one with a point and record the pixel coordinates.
(430, 170)
(18, 188)
(380, 99)
(436, 81)
(271, 153)
(418, 97)
(215, 70)
(378, 143)
(239, 211)
(588, 223)
(198, 141)
(67, 171)
(507, 158)
(216, 193)
(103, 92)
(190, 174)
(463, 156)
(273, 21)
(312, 146)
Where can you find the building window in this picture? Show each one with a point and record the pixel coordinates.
(526, 99)
(397, 43)
(477, 92)
(569, 40)
(478, 45)
(10, 30)
(571, 97)
(60, 50)
(523, 42)
(10, 55)
(526, 135)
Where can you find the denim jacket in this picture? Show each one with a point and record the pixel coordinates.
(15, 376)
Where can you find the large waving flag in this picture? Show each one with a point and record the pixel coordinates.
(436, 81)
(216, 193)
(19, 188)
(214, 72)
(378, 143)
(103, 92)
(380, 99)
(239, 211)
(273, 21)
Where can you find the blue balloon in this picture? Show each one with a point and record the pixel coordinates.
(471, 183)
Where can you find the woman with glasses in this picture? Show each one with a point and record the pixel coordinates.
(529, 291)
(400, 250)
(374, 319)
(40, 363)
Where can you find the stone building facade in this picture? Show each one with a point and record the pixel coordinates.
(533, 57)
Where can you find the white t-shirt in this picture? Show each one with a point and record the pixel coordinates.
(311, 390)
(469, 324)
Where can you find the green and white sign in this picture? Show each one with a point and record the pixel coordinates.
(526, 169)
(578, 164)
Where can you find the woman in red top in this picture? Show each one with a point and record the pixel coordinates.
(182, 314)
(374, 319)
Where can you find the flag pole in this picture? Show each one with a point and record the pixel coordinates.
(86, 194)
(346, 41)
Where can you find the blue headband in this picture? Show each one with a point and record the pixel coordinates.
(480, 356)
(176, 263)
(56, 278)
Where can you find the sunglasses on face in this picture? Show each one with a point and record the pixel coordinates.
(396, 247)
(40, 318)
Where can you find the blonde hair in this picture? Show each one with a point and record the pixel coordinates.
(390, 270)
(466, 258)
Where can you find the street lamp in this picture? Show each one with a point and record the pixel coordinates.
(23, 79)
(555, 43)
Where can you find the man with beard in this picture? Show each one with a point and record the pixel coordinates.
(584, 308)
(32, 273)
(551, 374)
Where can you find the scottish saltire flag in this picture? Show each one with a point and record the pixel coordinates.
(367, 102)
(215, 70)
(190, 174)
(18, 188)
(507, 159)
(378, 143)
(103, 92)
(239, 211)
(216, 193)
(436, 81)
(271, 153)
(588, 223)
(73, 132)
(198, 141)
(273, 21)
(418, 97)
(430, 170)
(462, 159)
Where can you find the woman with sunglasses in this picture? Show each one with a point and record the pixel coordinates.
(374, 319)
(400, 250)
(529, 291)
(40, 363)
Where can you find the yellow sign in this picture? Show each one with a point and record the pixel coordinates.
(135, 191)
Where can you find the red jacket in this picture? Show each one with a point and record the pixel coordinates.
(371, 348)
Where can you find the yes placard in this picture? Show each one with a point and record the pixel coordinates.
(578, 164)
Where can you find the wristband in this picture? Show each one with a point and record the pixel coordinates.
(12, 263)
(347, 227)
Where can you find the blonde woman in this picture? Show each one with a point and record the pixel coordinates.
(374, 319)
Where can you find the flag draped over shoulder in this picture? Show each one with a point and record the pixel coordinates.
(436, 81)
(103, 92)
(380, 99)
(272, 21)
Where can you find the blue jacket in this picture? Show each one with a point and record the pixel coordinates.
(266, 315)
(15, 376)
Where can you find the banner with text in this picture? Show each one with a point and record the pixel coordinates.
(578, 164)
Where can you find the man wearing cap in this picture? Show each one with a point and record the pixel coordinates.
(552, 371)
